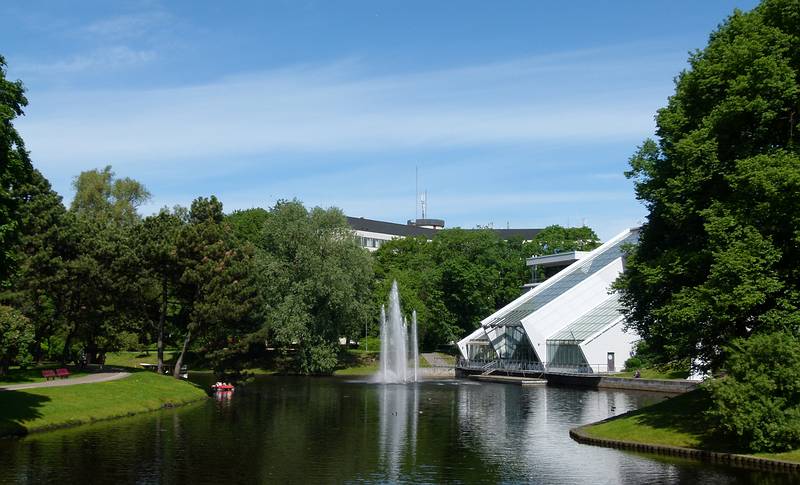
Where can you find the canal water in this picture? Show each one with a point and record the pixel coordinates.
(334, 430)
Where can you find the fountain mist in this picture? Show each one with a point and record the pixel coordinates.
(396, 341)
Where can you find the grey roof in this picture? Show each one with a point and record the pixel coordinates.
(383, 227)
(406, 230)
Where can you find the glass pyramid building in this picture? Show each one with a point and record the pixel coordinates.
(569, 323)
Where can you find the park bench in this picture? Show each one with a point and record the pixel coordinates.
(49, 374)
(62, 373)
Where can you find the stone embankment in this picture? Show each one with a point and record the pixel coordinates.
(581, 436)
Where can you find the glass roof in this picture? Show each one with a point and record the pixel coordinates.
(563, 281)
(591, 322)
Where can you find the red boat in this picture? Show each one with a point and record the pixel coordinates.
(222, 387)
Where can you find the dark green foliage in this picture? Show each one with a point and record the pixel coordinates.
(316, 283)
(16, 335)
(217, 293)
(719, 256)
(757, 405)
(15, 168)
(248, 224)
(461, 277)
(43, 251)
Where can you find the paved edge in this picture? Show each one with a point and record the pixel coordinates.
(75, 381)
(749, 461)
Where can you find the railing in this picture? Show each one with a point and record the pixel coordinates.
(509, 365)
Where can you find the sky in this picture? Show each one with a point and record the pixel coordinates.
(509, 114)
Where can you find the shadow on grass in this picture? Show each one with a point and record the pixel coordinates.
(16, 407)
(685, 414)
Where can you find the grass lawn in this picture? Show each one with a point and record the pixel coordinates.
(26, 376)
(39, 409)
(657, 374)
(133, 359)
(676, 421)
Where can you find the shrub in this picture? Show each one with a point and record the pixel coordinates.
(633, 363)
(16, 335)
(756, 406)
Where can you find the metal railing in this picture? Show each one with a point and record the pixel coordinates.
(512, 365)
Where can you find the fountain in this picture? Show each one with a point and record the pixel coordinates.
(396, 341)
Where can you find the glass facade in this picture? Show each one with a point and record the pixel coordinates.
(570, 277)
(563, 348)
(511, 343)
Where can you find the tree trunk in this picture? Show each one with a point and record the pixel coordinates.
(161, 318)
(176, 372)
(67, 343)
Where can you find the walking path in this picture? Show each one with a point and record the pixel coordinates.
(90, 379)
(436, 360)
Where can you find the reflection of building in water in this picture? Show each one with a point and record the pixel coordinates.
(495, 419)
(570, 322)
(399, 407)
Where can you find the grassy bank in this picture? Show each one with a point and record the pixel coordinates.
(39, 409)
(673, 422)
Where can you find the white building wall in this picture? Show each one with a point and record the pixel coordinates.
(613, 339)
(567, 307)
(376, 236)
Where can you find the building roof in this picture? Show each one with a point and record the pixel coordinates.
(383, 227)
(406, 230)
(593, 321)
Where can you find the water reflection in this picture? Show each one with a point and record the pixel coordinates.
(295, 430)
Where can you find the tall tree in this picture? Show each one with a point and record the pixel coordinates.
(44, 249)
(719, 254)
(158, 241)
(316, 282)
(106, 295)
(15, 167)
(217, 291)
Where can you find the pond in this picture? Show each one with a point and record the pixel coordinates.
(335, 430)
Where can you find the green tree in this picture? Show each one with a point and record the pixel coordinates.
(107, 287)
(718, 256)
(757, 405)
(44, 248)
(558, 239)
(16, 334)
(316, 283)
(98, 193)
(158, 241)
(248, 224)
(15, 167)
(216, 286)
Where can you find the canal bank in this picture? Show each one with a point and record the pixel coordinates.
(676, 427)
(37, 409)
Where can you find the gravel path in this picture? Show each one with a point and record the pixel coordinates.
(435, 360)
(90, 379)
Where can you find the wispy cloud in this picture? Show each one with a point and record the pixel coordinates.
(337, 107)
(114, 57)
(128, 26)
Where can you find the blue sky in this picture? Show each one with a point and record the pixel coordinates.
(517, 113)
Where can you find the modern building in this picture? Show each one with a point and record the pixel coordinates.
(372, 233)
(570, 322)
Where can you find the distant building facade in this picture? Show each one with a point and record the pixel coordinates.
(371, 233)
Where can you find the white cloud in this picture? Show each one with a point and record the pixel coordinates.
(337, 107)
(128, 26)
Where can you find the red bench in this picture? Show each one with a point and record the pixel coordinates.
(49, 374)
(62, 373)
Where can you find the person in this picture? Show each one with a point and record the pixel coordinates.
(637, 374)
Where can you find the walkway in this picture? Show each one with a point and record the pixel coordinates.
(436, 360)
(90, 379)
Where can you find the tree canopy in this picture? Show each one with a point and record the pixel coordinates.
(15, 167)
(718, 255)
